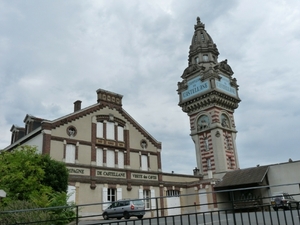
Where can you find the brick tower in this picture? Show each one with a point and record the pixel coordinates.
(209, 95)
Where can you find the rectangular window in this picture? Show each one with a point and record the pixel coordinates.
(111, 194)
(70, 153)
(173, 193)
(146, 197)
(206, 145)
(110, 130)
(110, 158)
(121, 159)
(99, 130)
(99, 157)
(144, 159)
(205, 58)
(120, 133)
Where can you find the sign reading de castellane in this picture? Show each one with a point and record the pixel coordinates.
(195, 86)
(113, 174)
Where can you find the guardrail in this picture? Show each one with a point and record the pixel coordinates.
(247, 211)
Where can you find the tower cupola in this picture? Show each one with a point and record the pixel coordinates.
(202, 48)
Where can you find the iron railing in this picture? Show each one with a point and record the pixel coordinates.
(249, 210)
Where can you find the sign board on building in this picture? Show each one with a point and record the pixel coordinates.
(111, 174)
(224, 85)
(141, 176)
(195, 87)
(78, 171)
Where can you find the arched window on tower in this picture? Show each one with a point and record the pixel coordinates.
(203, 123)
(225, 121)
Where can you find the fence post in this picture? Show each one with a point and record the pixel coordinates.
(157, 216)
(232, 206)
(77, 220)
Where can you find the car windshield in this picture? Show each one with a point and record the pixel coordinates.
(138, 202)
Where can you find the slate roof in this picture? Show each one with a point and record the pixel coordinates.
(243, 177)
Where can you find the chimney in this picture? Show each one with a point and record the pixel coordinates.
(77, 105)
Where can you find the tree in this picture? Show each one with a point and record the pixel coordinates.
(32, 180)
(21, 173)
(25, 173)
(56, 174)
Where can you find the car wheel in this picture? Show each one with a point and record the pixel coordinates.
(126, 215)
(140, 217)
(119, 218)
(105, 216)
(275, 208)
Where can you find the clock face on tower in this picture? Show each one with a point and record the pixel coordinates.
(194, 87)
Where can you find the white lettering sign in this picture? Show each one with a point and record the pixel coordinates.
(195, 86)
(144, 176)
(105, 173)
(224, 85)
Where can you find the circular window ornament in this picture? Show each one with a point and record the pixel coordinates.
(71, 131)
(144, 144)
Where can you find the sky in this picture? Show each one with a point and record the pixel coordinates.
(53, 53)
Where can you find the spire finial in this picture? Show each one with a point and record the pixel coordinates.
(199, 24)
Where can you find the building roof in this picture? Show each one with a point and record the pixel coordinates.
(243, 177)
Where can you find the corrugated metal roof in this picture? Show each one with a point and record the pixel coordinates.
(243, 177)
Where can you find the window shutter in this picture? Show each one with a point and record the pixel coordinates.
(70, 153)
(72, 194)
(110, 158)
(99, 130)
(110, 131)
(141, 194)
(153, 202)
(119, 193)
(121, 159)
(144, 159)
(120, 133)
(104, 198)
(99, 157)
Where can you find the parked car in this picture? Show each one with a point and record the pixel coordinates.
(284, 201)
(125, 208)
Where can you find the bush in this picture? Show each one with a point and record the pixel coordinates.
(24, 217)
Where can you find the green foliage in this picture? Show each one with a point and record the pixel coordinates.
(21, 173)
(56, 174)
(24, 172)
(26, 216)
(32, 180)
(61, 215)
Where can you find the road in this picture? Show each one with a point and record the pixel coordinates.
(253, 218)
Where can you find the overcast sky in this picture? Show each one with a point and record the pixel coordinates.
(53, 53)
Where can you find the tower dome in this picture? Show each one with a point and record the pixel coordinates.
(202, 48)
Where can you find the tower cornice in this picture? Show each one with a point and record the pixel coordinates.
(207, 100)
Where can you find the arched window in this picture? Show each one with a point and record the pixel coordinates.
(203, 123)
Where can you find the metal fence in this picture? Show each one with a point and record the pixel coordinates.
(245, 211)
